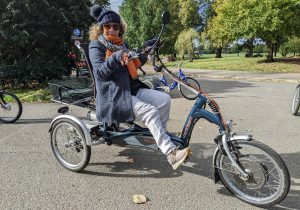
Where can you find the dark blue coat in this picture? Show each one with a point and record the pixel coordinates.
(113, 85)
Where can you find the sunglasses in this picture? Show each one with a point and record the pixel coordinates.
(115, 26)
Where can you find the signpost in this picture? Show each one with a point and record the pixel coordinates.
(77, 34)
(81, 65)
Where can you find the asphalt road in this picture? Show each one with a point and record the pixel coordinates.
(31, 178)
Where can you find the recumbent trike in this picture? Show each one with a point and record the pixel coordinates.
(252, 171)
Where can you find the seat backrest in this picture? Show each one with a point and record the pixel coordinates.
(84, 49)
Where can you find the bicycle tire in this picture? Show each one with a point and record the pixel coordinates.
(296, 101)
(6, 106)
(187, 93)
(73, 145)
(255, 182)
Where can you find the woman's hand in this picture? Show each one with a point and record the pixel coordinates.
(124, 59)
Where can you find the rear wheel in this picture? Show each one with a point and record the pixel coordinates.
(69, 145)
(10, 107)
(296, 101)
(188, 94)
(269, 180)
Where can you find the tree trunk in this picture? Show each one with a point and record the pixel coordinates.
(251, 47)
(219, 52)
(271, 52)
(275, 50)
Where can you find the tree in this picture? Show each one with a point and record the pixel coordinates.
(35, 35)
(184, 42)
(143, 20)
(271, 20)
(291, 46)
(188, 13)
(216, 31)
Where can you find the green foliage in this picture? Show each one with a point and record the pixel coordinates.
(143, 20)
(184, 42)
(35, 35)
(188, 13)
(32, 95)
(271, 20)
(291, 46)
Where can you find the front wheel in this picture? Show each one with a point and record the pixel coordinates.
(269, 180)
(296, 101)
(10, 107)
(69, 146)
(188, 94)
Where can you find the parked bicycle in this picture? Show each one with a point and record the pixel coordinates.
(296, 101)
(162, 85)
(251, 170)
(10, 107)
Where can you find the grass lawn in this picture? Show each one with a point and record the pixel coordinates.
(32, 95)
(206, 61)
(240, 63)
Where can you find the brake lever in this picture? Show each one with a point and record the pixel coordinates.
(133, 55)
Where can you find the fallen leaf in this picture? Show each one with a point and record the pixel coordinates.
(139, 199)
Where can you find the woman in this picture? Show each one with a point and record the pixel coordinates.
(120, 96)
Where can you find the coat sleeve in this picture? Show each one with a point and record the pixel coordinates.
(101, 67)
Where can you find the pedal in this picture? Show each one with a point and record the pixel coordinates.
(188, 156)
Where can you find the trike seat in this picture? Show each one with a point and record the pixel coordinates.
(72, 90)
(79, 91)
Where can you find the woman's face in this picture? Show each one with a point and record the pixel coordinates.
(112, 29)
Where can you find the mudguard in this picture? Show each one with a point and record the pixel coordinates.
(233, 138)
(84, 128)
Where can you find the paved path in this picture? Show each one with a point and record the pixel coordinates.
(31, 178)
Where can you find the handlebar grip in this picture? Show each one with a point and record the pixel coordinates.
(158, 68)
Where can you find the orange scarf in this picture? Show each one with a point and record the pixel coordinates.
(132, 64)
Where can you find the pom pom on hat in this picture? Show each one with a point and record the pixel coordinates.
(103, 16)
(95, 11)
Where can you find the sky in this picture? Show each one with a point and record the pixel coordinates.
(115, 4)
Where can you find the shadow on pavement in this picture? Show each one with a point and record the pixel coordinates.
(216, 87)
(33, 121)
(152, 164)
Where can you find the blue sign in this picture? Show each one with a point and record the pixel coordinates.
(76, 33)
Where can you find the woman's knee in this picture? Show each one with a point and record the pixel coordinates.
(167, 100)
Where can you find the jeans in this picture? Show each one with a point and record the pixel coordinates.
(153, 109)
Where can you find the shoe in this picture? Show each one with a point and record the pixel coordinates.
(177, 157)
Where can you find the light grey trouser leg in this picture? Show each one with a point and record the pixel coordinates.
(148, 108)
(160, 100)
